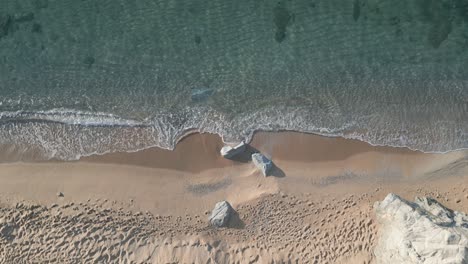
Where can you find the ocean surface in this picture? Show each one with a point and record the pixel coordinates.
(90, 77)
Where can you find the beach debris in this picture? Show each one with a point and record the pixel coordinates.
(230, 152)
(221, 213)
(60, 194)
(423, 231)
(262, 163)
(201, 94)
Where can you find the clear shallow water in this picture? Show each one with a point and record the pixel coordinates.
(89, 77)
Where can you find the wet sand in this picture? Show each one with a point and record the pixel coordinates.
(153, 205)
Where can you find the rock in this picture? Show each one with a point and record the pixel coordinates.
(282, 18)
(60, 194)
(262, 163)
(40, 4)
(201, 94)
(221, 214)
(24, 17)
(230, 152)
(421, 232)
(6, 25)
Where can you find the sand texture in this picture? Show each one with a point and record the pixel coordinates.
(317, 207)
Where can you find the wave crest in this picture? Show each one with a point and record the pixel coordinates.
(65, 134)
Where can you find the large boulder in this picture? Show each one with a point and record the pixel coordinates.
(421, 232)
(262, 163)
(230, 152)
(221, 214)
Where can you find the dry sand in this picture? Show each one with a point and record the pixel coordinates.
(152, 206)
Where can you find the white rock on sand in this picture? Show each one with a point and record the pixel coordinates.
(262, 163)
(420, 232)
(230, 152)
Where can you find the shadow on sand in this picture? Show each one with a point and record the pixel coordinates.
(235, 221)
(276, 172)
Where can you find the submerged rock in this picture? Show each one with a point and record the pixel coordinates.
(262, 163)
(230, 152)
(356, 10)
(201, 94)
(40, 4)
(421, 232)
(282, 19)
(221, 214)
(24, 17)
(6, 25)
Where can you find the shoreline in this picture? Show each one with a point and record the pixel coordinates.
(14, 153)
(327, 188)
(200, 151)
(197, 170)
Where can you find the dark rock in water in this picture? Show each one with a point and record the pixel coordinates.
(60, 194)
(440, 16)
(462, 8)
(36, 28)
(356, 10)
(282, 19)
(198, 40)
(89, 61)
(201, 94)
(221, 214)
(25, 17)
(440, 32)
(6, 25)
(280, 36)
(262, 163)
(40, 4)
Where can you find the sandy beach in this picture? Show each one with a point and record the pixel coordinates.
(152, 206)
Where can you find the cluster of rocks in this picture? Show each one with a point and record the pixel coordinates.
(223, 211)
(423, 231)
(264, 164)
(9, 23)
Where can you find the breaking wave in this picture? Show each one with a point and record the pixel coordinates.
(65, 134)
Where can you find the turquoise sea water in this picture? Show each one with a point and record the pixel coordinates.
(88, 76)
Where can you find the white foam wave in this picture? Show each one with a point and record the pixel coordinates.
(71, 117)
(74, 134)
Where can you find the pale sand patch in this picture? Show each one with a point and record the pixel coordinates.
(319, 209)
